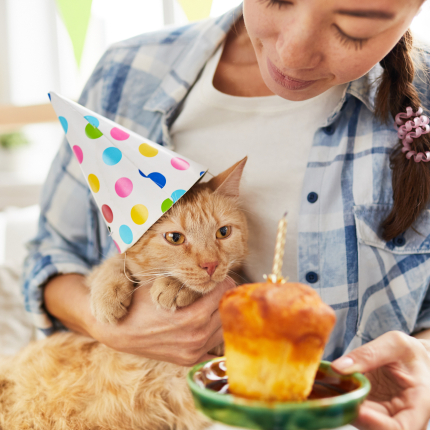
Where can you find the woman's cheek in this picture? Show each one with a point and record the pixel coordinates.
(349, 66)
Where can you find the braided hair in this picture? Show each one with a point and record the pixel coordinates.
(411, 180)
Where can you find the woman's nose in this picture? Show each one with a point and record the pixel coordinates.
(299, 48)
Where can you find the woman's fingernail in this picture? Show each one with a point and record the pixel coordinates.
(343, 363)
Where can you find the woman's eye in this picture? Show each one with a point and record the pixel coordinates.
(223, 232)
(175, 238)
(348, 40)
(278, 3)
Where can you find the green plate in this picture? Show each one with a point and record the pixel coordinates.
(322, 413)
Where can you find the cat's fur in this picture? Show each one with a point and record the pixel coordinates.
(71, 382)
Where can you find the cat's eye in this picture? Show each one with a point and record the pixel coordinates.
(223, 232)
(174, 238)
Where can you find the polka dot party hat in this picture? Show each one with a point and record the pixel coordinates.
(133, 180)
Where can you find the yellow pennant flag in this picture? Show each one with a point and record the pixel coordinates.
(76, 17)
(196, 9)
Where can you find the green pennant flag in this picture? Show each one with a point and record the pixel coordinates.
(76, 17)
(196, 9)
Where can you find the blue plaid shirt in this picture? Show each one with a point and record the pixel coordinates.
(374, 286)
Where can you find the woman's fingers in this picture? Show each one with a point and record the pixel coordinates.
(372, 416)
(369, 418)
(391, 347)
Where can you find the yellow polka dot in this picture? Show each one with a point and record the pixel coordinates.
(94, 182)
(139, 214)
(147, 150)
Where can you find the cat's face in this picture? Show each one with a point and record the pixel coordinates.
(201, 239)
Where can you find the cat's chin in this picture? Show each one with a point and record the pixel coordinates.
(204, 287)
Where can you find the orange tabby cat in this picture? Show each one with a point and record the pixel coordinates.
(71, 382)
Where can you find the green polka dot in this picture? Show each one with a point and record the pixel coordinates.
(166, 205)
(92, 132)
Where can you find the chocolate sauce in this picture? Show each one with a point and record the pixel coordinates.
(212, 376)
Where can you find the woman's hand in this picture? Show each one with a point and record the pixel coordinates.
(182, 337)
(398, 367)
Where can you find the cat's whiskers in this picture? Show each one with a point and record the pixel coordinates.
(144, 283)
(237, 274)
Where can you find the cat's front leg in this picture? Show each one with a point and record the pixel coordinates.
(170, 294)
(111, 290)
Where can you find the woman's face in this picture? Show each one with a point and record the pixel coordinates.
(305, 47)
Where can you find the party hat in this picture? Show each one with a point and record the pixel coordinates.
(134, 181)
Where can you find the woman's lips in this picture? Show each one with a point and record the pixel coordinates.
(286, 81)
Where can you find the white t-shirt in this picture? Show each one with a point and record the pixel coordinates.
(217, 130)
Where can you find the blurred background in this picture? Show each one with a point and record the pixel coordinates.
(53, 45)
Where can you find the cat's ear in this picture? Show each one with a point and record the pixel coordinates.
(227, 183)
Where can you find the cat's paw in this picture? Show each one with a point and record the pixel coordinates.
(111, 294)
(170, 294)
(186, 297)
(111, 307)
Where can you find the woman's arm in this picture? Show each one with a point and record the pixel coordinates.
(183, 337)
(67, 299)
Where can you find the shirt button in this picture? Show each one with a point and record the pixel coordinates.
(311, 277)
(312, 197)
(399, 241)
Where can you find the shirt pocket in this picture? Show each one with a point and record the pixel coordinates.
(393, 277)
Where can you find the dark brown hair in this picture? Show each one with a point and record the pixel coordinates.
(411, 180)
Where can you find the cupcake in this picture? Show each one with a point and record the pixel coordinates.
(274, 338)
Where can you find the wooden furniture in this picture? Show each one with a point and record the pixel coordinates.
(14, 117)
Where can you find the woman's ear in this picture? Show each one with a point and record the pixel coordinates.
(227, 183)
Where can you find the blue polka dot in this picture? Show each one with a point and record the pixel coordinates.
(112, 156)
(92, 120)
(126, 234)
(49, 95)
(176, 195)
(64, 123)
(155, 177)
(201, 173)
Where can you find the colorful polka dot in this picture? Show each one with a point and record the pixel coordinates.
(92, 120)
(155, 177)
(79, 154)
(148, 150)
(92, 132)
(123, 187)
(180, 164)
(119, 134)
(49, 95)
(107, 213)
(117, 247)
(176, 195)
(126, 234)
(139, 214)
(64, 123)
(94, 182)
(202, 173)
(166, 205)
(112, 156)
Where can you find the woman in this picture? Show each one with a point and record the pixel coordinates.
(305, 89)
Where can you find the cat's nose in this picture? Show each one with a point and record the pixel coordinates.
(210, 267)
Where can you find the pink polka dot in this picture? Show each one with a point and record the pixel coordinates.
(107, 213)
(123, 187)
(117, 247)
(179, 163)
(78, 152)
(119, 134)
